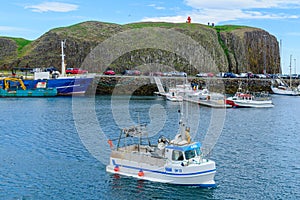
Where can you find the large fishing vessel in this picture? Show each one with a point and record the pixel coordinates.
(76, 85)
(65, 85)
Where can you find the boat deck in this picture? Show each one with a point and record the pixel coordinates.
(131, 153)
(207, 103)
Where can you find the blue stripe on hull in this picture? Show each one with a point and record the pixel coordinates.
(64, 86)
(200, 185)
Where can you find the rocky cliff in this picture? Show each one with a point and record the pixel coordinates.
(232, 48)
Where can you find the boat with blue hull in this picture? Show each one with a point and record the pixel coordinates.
(65, 85)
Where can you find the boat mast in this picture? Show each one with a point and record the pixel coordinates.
(183, 117)
(290, 71)
(63, 66)
(280, 71)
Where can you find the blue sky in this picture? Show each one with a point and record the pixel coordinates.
(281, 18)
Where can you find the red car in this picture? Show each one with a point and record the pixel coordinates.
(76, 71)
(109, 72)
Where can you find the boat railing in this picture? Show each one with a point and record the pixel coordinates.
(139, 157)
(262, 96)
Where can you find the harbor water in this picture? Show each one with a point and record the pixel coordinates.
(42, 156)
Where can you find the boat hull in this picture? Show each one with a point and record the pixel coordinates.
(50, 92)
(249, 103)
(201, 175)
(174, 98)
(286, 92)
(65, 86)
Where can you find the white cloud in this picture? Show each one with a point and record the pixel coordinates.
(53, 7)
(175, 19)
(221, 11)
(157, 7)
(10, 28)
(217, 16)
(160, 8)
(241, 4)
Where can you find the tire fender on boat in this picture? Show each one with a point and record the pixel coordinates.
(116, 169)
(141, 173)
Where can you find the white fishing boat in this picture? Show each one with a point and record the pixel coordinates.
(179, 161)
(250, 100)
(279, 87)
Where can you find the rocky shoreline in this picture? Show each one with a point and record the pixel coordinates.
(146, 86)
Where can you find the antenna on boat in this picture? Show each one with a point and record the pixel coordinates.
(63, 66)
(280, 71)
(290, 71)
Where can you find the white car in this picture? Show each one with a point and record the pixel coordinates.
(243, 75)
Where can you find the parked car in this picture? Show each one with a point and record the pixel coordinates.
(220, 74)
(250, 75)
(243, 75)
(294, 76)
(34, 70)
(51, 69)
(260, 76)
(175, 73)
(109, 72)
(229, 75)
(201, 75)
(76, 71)
(156, 74)
(209, 74)
(167, 74)
(182, 74)
(132, 72)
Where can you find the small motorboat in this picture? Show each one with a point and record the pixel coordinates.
(250, 100)
(173, 95)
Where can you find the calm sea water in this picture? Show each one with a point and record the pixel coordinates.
(43, 157)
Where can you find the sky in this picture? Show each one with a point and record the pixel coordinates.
(30, 19)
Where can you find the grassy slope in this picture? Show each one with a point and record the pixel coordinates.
(228, 28)
(21, 43)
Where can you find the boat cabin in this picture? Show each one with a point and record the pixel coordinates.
(183, 153)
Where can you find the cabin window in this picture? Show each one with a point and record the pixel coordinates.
(198, 151)
(190, 154)
(177, 155)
